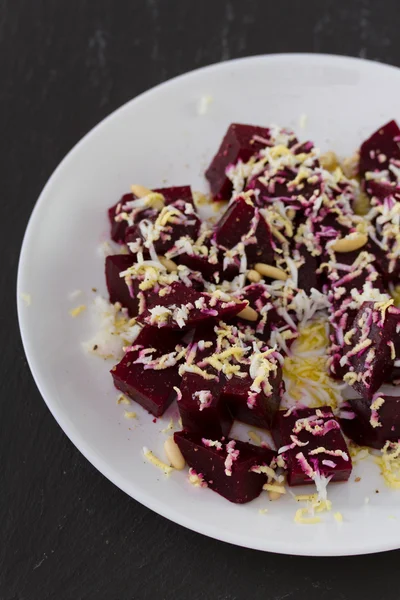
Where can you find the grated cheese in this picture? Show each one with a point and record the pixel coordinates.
(154, 460)
(389, 464)
(197, 479)
(269, 487)
(305, 370)
(122, 399)
(305, 520)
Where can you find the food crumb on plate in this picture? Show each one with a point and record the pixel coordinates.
(27, 298)
(74, 312)
(303, 121)
(122, 399)
(338, 517)
(204, 104)
(254, 437)
(129, 414)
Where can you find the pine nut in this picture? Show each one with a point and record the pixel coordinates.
(248, 313)
(329, 161)
(353, 241)
(174, 455)
(362, 204)
(350, 166)
(274, 495)
(275, 491)
(269, 271)
(140, 190)
(291, 213)
(169, 264)
(253, 276)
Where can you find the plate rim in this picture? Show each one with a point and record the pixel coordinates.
(60, 416)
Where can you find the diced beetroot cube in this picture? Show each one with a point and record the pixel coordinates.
(238, 144)
(384, 246)
(201, 407)
(351, 271)
(200, 404)
(118, 228)
(341, 320)
(370, 353)
(312, 444)
(307, 273)
(254, 409)
(262, 248)
(186, 308)
(151, 388)
(279, 185)
(202, 265)
(116, 285)
(242, 221)
(383, 146)
(211, 266)
(394, 376)
(235, 222)
(179, 225)
(226, 466)
(373, 422)
(173, 194)
(132, 232)
(379, 190)
(268, 318)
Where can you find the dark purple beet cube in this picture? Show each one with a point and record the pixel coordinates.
(177, 193)
(235, 222)
(258, 409)
(150, 387)
(202, 265)
(226, 466)
(132, 232)
(118, 227)
(311, 443)
(341, 319)
(184, 222)
(200, 404)
(380, 190)
(268, 188)
(370, 353)
(242, 221)
(238, 144)
(351, 271)
(186, 308)
(383, 146)
(118, 289)
(268, 318)
(307, 272)
(373, 422)
(211, 266)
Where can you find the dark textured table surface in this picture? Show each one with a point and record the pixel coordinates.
(65, 531)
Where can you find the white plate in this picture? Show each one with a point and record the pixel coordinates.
(160, 139)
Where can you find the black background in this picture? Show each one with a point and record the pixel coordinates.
(65, 531)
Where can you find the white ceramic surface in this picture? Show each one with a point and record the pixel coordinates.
(160, 139)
